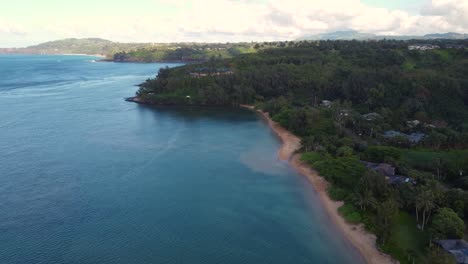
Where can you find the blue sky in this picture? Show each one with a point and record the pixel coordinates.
(412, 6)
(27, 22)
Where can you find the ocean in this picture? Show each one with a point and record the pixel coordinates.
(86, 177)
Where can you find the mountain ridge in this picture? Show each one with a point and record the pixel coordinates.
(357, 35)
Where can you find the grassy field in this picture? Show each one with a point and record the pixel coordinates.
(424, 159)
(407, 242)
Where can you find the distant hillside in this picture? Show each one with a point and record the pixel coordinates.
(353, 34)
(185, 52)
(340, 35)
(450, 35)
(90, 46)
(137, 52)
(72, 45)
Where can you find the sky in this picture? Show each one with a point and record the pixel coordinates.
(29, 22)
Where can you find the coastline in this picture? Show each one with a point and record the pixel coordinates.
(148, 62)
(53, 54)
(361, 239)
(78, 54)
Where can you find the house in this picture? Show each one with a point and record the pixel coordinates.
(382, 168)
(416, 137)
(204, 72)
(345, 113)
(413, 123)
(371, 116)
(452, 46)
(423, 47)
(398, 179)
(393, 134)
(413, 137)
(389, 172)
(326, 103)
(430, 126)
(458, 248)
(198, 74)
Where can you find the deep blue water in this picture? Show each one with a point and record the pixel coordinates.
(86, 177)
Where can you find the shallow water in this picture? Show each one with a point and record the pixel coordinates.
(86, 177)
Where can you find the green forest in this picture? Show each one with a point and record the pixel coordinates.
(385, 125)
(183, 52)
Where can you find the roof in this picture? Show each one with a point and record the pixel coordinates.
(453, 244)
(416, 137)
(455, 46)
(393, 133)
(457, 247)
(205, 69)
(398, 179)
(371, 116)
(382, 168)
(413, 137)
(413, 123)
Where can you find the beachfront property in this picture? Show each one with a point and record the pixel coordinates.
(204, 72)
(423, 47)
(458, 248)
(389, 172)
(385, 169)
(372, 116)
(413, 137)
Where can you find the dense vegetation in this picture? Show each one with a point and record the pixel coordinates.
(369, 88)
(193, 52)
(183, 52)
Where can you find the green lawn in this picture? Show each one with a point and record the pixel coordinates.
(445, 55)
(409, 65)
(424, 159)
(406, 239)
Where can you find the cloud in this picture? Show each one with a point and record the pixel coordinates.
(8, 27)
(448, 14)
(247, 20)
(286, 19)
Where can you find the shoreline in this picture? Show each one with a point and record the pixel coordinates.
(54, 54)
(360, 238)
(78, 54)
(149, 62)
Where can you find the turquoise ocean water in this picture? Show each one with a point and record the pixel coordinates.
(86, 177)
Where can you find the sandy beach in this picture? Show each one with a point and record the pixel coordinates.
(364, 241)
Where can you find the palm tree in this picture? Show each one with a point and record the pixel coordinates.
(425, 202)
(365, 199)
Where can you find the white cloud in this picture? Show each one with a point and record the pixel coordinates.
(246, 20)
(8, 27)
(448, 14)
(286, 19)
